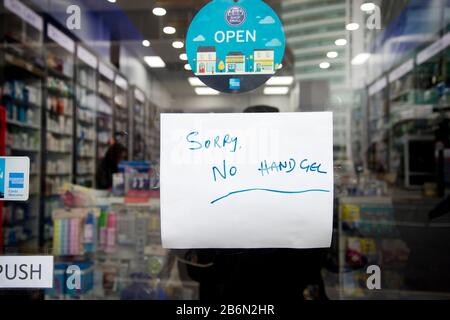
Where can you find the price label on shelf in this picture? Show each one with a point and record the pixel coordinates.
(25, 13)
(14, 178)
(60, 38)
(87, 57)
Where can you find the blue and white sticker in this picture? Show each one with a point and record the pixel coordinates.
(14, 178)
(235, 46)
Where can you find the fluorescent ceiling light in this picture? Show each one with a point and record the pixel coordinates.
(332, 54)
(187, 67)
(368, 6)
(340, 42)
(159, 12)
(196, 82)
(169, 30)
(183, 57)
(206, 92)
(352, 26)
(360, 59)
(112, 1)
(146, 43)
(276, 91)
(280, 81)
(324, 65)
(178, 44)
(155, 61)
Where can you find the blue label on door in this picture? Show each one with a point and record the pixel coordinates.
(235, 84)
(232, 41)
(16, 180)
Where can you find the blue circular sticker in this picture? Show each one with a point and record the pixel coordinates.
(235, 46)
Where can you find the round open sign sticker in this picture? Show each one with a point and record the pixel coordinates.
(235, 46)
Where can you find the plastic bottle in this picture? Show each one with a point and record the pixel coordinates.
(89, 233)
(111, 233)
(103, 224)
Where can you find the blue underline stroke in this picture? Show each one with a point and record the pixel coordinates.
(270, 190)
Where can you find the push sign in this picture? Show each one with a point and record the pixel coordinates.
(235, 46)
(14, 178)
(26, 272)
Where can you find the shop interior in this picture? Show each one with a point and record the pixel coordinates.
(68, 92)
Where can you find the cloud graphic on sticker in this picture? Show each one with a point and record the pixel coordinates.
(199, 38)
(267, 20)
(274, 43)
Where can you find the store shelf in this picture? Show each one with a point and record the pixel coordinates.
(59, 74)
(23, 125)
(59, 93)
(21, 102)
(22, 149)
(59, 133)
(58, 173)
(61, 152)
(21, 63)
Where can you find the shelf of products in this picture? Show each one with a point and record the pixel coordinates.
(105, 130)
(377, 115)
(59, 122)
(368, 235)
(121, 111)
(152, 137)
(138, 125)
(21, 82)
(86, 116)
(117, 245)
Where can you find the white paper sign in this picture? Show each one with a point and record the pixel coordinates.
(14, 178)
(26, 272)
(247, 180)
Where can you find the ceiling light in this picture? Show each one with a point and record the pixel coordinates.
(146, 43)
(155, 61)
(368, 6)
(112, 1)
(352, 26)
(187, 67)
(324, 65)
(332, 54)
(169, 30)
(159, 12)
(183, 57)
(276, 90)
(360, 59)
(178, 44)
(196, 82)
(340, 42)
(206, 92)
(280, 81)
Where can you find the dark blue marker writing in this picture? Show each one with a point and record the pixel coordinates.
(189, 139)
(292, 164)
(232, 172)
(314, 167)
(289, 166)
(217, 143)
